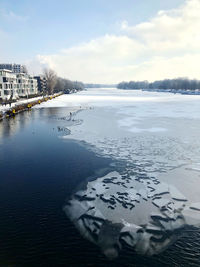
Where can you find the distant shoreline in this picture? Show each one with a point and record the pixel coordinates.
(174, 91)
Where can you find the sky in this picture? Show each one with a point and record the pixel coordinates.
(103, 41)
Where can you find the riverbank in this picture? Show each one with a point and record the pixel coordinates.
(174, 91)
(23, 105)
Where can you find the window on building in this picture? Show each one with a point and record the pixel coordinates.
(6, 92)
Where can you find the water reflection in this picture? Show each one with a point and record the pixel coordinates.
(10, 126)
(38, 171)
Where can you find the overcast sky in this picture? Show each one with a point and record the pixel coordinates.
(103, 41)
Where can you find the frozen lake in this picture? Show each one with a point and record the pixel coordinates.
(159, 132)
(122, 170)
(153, 193)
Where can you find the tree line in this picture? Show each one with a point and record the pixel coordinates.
(178, 83)
(56, 84)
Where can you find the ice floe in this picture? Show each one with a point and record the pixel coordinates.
(120, 211)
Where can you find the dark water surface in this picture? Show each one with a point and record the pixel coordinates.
(38, 171)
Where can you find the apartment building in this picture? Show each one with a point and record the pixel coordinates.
(42, 83)
(26, 85)
(15, 85)
(8, 85)
(16, 68)
(33, 86)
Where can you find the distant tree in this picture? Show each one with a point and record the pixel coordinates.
(68, 86)
(51, 79)
(60, 85)
(175, 84)
(133, 85)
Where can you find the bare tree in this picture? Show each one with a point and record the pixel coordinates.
(51, 79)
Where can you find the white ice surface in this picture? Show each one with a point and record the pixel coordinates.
(136, 103)
(153, 134)
(157, 132)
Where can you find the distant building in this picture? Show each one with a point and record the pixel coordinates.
(8, 84)
(42, 83)
(15, 68)
(26, 84)
(33, 86)
(15, 85)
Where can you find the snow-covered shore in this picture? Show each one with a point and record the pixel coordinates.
(4, 108)
(7, 107)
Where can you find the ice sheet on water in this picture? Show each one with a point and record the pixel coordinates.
(143, 104)
(145, 222)
(150, 151)
(147, 132)
(133, 125)
(151, 130)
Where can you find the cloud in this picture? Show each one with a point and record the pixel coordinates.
(99, 60)
(175, 29)
(166, 46)
(35, 67)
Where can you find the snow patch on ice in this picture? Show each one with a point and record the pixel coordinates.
(151, 130)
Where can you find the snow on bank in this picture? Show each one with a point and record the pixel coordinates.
(4, 108)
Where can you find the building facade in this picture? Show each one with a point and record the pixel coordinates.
(16, 68)
(42, 83)
(15, 85)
